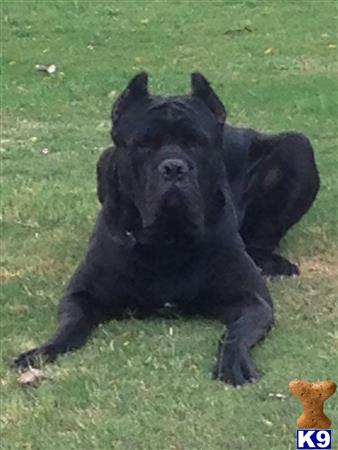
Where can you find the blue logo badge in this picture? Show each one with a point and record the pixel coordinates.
(314, 439)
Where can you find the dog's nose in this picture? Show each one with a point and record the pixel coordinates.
(173, 168)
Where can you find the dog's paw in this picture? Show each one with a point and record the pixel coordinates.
(235, 365)
(35, 357)
(273, 265)
(27, 359)
(277, 266)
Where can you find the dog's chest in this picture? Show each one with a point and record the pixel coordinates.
(177, 290)
(166, 284)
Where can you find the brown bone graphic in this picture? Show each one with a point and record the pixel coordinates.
(313, 396)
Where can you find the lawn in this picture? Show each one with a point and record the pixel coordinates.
(147, 385)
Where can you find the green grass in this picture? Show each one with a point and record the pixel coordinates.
(136, 385)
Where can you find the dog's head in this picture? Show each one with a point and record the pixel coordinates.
(163, 179)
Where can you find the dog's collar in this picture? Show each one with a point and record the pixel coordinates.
(124, 238)
(129, 238)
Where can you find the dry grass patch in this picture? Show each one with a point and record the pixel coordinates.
(324, 265)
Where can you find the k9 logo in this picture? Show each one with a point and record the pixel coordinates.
(315, 439)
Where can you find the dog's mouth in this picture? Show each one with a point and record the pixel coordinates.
(177, 220)
(163, 237)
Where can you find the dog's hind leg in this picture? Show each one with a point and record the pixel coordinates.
(76, 321)
(282, 184)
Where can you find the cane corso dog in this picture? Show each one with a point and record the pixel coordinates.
(192, 212)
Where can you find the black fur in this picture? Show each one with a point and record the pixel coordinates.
(192, 212)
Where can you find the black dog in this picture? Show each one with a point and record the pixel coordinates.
(192, 211)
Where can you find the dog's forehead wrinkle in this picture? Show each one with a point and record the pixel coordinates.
(160, 131)
(168, 117)
(170, 109)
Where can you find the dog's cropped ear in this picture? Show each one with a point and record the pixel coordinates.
(202, 90)
(136, 89)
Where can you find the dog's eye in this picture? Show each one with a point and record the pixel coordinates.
(191, 140)
(147, 141)
(188, 142)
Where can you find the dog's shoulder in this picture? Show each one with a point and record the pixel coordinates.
(236, 144)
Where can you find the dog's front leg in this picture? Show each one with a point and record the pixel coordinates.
(248, 320)
(76, 321)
